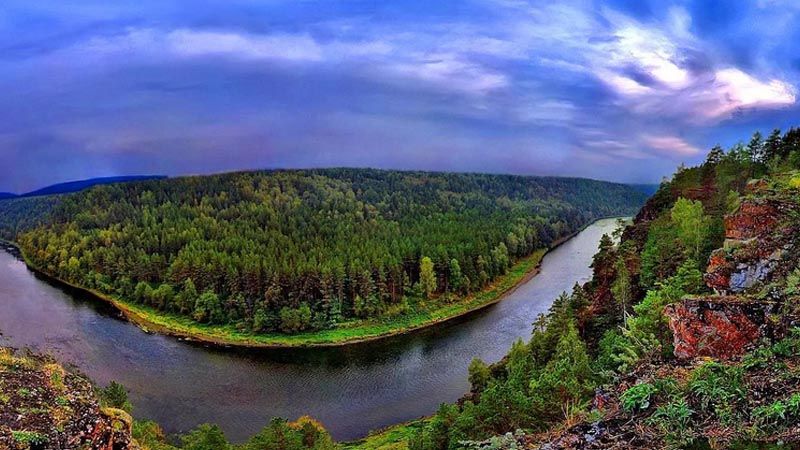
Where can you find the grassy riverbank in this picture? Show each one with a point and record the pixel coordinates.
(423, 316)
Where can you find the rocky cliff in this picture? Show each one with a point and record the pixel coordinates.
(732, 379)
(43, 406)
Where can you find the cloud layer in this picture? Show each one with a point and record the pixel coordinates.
(600, 89)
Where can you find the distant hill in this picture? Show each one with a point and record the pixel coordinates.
(648, 189)
(5, 195)
(75, 186)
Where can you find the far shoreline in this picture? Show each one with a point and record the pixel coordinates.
(150, 320)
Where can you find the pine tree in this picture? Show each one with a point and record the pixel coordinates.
(755, 149)
(772, 146)
(715, 155)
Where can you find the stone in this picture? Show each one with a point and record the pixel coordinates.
(719, 271)
(753, 218)
(719, 327)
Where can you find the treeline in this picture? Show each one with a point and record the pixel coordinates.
(290, 251)
(18, 215)
(615, 322)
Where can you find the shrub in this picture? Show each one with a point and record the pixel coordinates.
(205, 437)
(115, 396)
(717, 387)
(673, 420)
(638, 397)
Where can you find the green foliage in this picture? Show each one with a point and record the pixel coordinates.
(622, 286)
(566, 380)
(427, 277)
(294, 320)
(29, 438)
(208, 308)
(479, 374)
(637, 397)
(265, 241)
(205, 437)
(303, 434)
(777, 414)
(150, 435)
(647, 331)
(673, 420)
(662, 253)
(18, 215)
(115, 396)
(718, 388)
(691, 224)
(793, 283)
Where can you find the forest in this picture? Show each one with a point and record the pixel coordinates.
(24, 213)
(294, 251)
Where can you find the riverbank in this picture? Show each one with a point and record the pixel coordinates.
(151, 320)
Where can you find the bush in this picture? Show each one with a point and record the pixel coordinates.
(115, 396)
(205, 437)
(673, 420)
(638, 397)
(718, 388)
(479, 374)
(295, 320)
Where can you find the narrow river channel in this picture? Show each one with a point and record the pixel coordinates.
(351, 390)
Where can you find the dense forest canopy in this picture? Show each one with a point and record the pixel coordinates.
(21, 214)
(298, 250)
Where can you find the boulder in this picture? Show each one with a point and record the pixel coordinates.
(753, 218)
(719, 327)
(718, 273)
(757, 186)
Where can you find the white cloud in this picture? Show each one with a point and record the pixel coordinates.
(652, 68)
(736, 90)
(450, 71)
(670, 145)
(299, 47)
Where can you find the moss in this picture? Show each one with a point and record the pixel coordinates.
(29, 438)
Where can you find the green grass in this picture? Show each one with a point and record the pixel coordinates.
(393, 438)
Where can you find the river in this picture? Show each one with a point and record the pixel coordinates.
(351, 390)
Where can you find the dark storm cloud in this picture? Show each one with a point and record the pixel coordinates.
(620, 90)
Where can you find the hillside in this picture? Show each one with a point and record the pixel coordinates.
(23, 212)
(685, 337)
(287, 252)
(44, 406)
(75, 186)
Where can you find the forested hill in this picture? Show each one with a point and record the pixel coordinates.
(300, 250)
(75, 186)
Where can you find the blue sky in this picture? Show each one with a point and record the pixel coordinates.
(618, 90)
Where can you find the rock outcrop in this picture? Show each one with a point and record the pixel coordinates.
(43, 406)
(754, 218)
(759, 241)
(720, 327)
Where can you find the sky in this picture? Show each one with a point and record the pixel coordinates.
(621, 90)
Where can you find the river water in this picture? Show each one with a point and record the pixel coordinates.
(351, 390)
